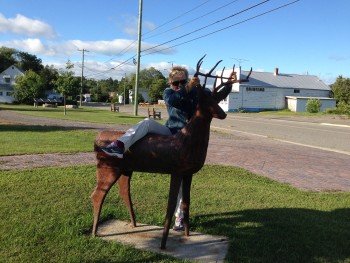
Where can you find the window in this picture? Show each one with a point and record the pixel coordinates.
(255, 89)
(0, 93)
(7, 78)
(8, 93)
(296, 90)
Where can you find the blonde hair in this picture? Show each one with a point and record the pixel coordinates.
(176, 70)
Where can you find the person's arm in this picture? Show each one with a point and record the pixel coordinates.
(174, 98)
(192, 83)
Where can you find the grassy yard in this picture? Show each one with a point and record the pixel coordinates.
(87, 114)
(46, 213)
(27, 139)
(46, 216)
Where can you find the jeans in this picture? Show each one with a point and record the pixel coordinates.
(137, 132)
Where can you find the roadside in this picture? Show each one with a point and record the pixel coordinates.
(302, 167)
(142, 111)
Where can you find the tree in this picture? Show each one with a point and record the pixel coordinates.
(67, 84)
(7, 57)
(28, 87)
(27, 61)
(147, 76)
(23, 60)
(49, 75)
(96, 92)
(156, 89)
(341, 90)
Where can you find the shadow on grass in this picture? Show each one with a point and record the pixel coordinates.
(282, 234)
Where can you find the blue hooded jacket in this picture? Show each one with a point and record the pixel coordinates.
(180, 106)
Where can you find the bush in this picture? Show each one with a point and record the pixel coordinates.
(342, 108)
(313, 105)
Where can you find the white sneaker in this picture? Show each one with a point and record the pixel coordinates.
(179, 224)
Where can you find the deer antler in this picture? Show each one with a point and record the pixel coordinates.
(208, 75)
(221, 91)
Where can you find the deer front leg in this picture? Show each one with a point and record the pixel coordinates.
(106, 177)
(186, 200)
(124, 191)
(175, 183)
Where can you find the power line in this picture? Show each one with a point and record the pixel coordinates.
(190, 21)
(211, 24)
(211, 33)
(127, 48)
(167, 22)
(208, 34)
(177, 17)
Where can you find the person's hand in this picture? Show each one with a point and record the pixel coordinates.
(193, 82)
(232, 78)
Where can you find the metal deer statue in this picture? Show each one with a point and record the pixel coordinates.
(180, 155)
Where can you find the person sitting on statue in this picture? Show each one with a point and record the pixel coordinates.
(181, 101)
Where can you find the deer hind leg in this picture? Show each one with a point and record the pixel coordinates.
(106, 177)
(186, 200)
(124, 191)
(175, 183)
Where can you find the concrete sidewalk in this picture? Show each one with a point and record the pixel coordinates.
(197, 247)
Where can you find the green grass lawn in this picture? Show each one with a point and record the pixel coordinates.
(46, 213)
(46, 216)
(26, 139)
(87, 114)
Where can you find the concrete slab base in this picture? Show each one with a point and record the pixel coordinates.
(197, 247)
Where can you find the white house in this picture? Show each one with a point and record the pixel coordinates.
(275, 91)
(7, 83)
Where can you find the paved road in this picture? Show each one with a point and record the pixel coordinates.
(303, 167)
(328, 133)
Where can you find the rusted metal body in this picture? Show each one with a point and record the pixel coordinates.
(181, 155)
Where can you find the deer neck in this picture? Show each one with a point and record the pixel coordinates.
(199, 126)
(195, 138)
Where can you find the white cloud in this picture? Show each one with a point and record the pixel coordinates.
(115, 47)
(22, 25)
(108, 48)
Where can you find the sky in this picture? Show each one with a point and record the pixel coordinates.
(298, 37)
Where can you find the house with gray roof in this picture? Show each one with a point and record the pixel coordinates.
(7, 83)
(275, 91)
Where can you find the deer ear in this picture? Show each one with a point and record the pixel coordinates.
(222, 92)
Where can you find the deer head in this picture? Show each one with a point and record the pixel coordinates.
(219, 92)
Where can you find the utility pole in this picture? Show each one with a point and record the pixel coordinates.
(138, 58)
(124, 88)
(82, 75)
(172, 63)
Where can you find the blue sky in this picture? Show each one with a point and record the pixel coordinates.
(305, 37)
